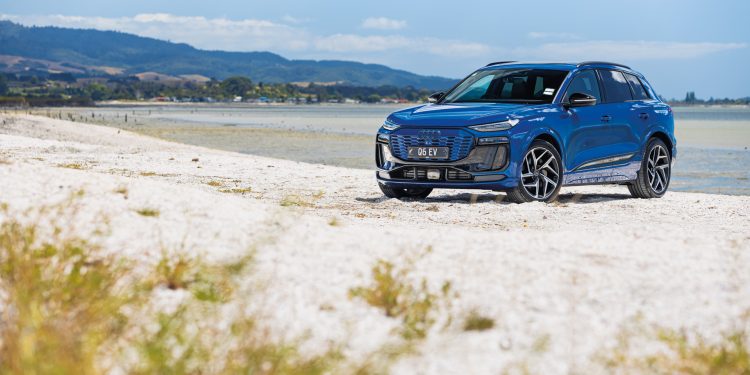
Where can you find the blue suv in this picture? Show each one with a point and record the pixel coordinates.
(529, 129)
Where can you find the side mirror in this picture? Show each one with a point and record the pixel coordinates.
(580, 100)
(434, 98)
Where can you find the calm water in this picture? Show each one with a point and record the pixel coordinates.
(713, 143)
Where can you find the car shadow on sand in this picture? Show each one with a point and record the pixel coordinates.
(472, 198)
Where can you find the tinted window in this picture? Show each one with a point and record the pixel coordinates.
(639, 92)
(584, 83)
(508, 85)
(616, 88)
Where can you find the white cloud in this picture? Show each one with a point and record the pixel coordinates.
(378, 43)
(625, 50)
(254, 34)
(382, 23)
(201, 32)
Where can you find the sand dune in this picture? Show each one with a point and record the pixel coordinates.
(573, 272)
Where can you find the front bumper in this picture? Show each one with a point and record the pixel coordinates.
(482, 167)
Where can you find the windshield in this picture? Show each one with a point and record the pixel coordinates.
(508, 86)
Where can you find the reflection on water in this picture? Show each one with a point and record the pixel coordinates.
(713, 142)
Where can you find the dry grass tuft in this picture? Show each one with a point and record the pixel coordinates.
(78, 166)
(294, 200)
(683, 352)
(215, 183)
(147, 174)
(477, 322)
(237, 190)
(392, 291)
(148, 212)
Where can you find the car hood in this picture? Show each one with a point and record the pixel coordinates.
(459, 115)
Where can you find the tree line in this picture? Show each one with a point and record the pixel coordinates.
(64, 89)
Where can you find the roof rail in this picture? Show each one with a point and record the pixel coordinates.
(499, 63)
(602, 63)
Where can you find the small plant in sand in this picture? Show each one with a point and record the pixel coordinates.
(334, 222)
(215, 183)
(684, 352)
(147, 174)
(237, 190)
(148, 212)
(294, 200)
(72, 166)
(300, 201)
(393, 291)
(477, 322)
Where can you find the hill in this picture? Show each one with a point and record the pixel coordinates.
(108, 52)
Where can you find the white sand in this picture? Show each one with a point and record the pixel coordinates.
(574, 272)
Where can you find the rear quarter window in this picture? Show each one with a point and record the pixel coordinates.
(616, 87)
(639, 92)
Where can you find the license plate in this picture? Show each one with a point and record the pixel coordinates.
(428, 152)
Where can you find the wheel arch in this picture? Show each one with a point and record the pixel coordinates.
(549, 136)
(662, 136)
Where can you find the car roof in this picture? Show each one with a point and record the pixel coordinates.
(566, 66)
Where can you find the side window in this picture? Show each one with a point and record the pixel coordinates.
(616, 88)
(639, 92)
(585, 83)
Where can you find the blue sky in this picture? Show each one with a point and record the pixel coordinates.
(680, 45)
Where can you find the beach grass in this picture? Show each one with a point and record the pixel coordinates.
(392, 291)
(71, 308)
(477, 322)
(148, 212)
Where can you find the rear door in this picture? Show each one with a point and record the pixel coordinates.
(622, 135)
(642, 108)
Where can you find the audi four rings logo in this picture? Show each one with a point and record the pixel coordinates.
(428, 134)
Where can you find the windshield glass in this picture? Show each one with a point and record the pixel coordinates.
(508, 86)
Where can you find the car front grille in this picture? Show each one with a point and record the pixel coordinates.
(454, 174)
(458, 141)
(420, 174)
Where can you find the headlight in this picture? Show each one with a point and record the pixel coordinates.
(388, 125)
(383, 138)
(495, 126)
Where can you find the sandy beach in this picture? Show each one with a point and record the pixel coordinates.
(571, 274)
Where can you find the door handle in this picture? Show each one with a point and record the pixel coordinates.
(606, 118)
(643, 116)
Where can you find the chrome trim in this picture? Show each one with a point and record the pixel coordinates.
(613, 159)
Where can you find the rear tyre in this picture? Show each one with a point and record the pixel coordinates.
(541, 175)
(398, 193)
(655, 173)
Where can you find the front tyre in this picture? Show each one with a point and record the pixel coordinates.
(655, 173)
(541, 174)
(392, 192)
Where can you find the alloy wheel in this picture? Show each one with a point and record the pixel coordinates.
(540, 173)
(658, 169)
